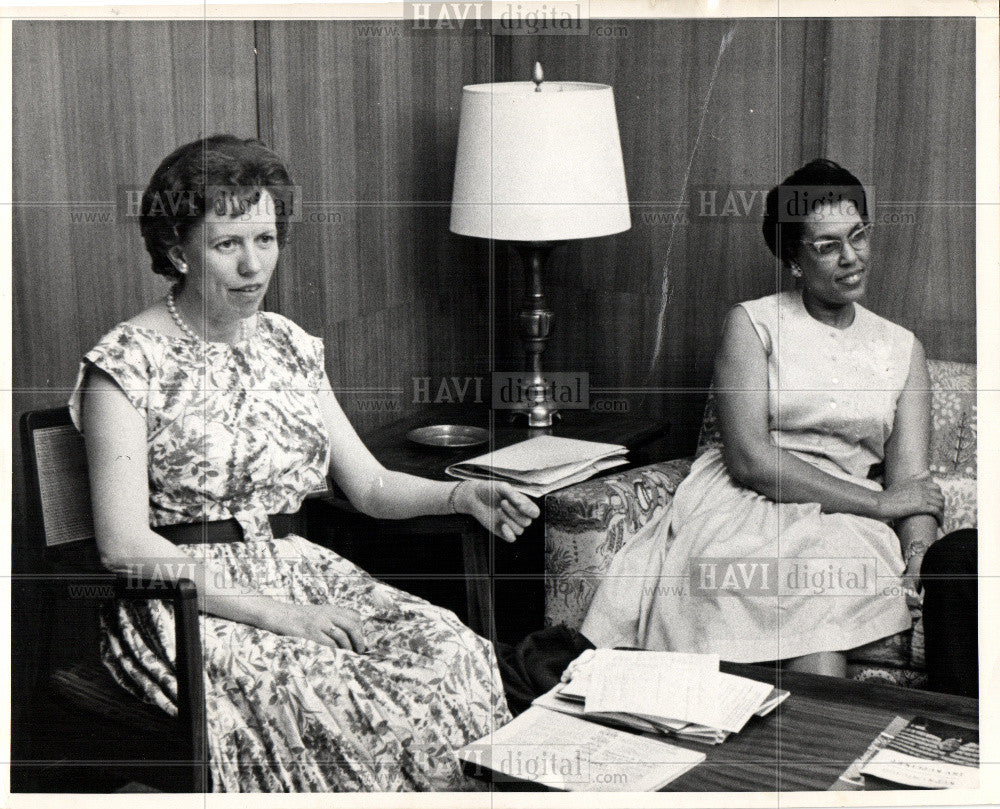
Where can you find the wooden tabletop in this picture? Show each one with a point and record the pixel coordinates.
(394, 450)
(809, 740)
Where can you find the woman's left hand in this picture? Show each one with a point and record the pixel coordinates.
(499, 507)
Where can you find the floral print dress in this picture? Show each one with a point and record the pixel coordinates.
(236, 431)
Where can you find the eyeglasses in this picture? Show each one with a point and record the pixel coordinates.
(858, 240)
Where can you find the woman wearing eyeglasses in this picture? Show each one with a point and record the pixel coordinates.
(778, 546)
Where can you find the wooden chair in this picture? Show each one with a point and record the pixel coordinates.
(59, 513)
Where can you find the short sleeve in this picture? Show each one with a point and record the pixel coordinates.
(307, 350)
(122, 358)
(906, 340)
(316, 369)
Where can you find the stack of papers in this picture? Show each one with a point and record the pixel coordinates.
(542, 465)
(566, 753)
(673, 693)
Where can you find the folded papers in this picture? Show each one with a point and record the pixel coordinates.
(543, 464)
(679, 694)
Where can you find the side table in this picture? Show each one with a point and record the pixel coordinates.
(496, 587)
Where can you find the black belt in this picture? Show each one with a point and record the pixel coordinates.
(191, 533)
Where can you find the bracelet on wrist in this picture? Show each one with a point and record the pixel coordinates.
(451, 498)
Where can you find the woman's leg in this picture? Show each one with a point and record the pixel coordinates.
(832, 664)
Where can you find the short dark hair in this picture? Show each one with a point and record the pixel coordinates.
(195, 178)
(819, 179)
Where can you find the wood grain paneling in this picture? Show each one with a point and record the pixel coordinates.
(901, 118)
(368, 121)
(924, 179)
(96, 106)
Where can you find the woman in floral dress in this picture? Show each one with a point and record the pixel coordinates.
(202, 408)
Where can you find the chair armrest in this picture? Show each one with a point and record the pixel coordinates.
(586, 524)
(190, 667)
(636, 493)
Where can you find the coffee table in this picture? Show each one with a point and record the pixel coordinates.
(809, 740)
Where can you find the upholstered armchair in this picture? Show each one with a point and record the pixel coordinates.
(586, 524)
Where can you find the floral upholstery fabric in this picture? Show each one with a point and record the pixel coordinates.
(953, 418)
(237, 432)
(587, 523)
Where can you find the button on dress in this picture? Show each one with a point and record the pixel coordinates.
(726, 570)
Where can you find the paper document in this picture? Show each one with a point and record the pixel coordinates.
(554, 701)
(542, 489)
(931, 754)
(632, 667)
(564, 752)
(543, 464)
(714, 699)
(543, 452)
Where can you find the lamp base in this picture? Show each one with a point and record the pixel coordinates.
(536, 321)
(539, 414)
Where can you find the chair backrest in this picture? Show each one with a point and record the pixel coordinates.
(58, 489)
(954, 432)
(709, 436)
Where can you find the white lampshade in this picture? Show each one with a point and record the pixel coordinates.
(539, 166)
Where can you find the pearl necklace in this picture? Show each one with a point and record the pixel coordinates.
(188, 331)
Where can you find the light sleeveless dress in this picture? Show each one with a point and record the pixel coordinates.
(729, 571)
(235, 431)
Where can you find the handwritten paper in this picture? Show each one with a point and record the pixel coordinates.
(687, 691)
(633, 667)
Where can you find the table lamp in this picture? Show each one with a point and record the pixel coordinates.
(538, 163)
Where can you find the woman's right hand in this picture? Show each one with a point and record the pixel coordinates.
(916, 495)
(337, 627)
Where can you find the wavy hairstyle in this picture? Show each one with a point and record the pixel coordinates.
(222, 173)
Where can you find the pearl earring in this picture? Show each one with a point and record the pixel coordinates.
(183, 268)
(796, 271)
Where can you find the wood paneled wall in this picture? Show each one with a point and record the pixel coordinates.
(367, 118)
(892, 100)
(96, 107)
(369, 122)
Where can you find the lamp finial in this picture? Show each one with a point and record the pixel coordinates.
(537, 76)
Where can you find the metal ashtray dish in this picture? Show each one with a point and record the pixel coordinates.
(448, 435)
